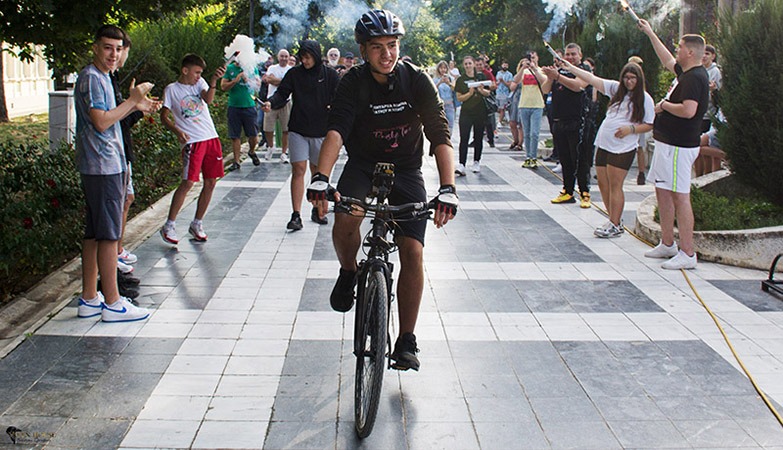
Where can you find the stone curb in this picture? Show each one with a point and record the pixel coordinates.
(29, 311)
(752, 249)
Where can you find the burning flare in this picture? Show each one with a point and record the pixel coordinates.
(627, 7)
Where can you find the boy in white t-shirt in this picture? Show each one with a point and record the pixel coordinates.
(186, 113)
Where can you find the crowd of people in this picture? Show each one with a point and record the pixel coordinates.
(380, 110)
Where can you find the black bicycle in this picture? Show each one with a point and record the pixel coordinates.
(372, 346)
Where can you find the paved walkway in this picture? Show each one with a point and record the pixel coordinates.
(533, 334)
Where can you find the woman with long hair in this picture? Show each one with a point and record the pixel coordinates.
(445, 84)
(473, 114)
(631, 111)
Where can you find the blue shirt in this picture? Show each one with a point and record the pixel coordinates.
(97, 153)
(506, 76)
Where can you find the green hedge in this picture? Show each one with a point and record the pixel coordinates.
(751, 95)
(42, 218)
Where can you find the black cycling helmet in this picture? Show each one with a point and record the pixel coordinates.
(377, 22)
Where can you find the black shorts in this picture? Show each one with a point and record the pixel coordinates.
(356, 182)
(104, 196)
(242, 119)
(619, 160)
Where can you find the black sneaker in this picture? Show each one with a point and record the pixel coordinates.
(314, 217)
(126, 278)
(343, 291)
(640, 180)
(404, 354)
(295, 224)
(234, 166)
(254, 157)
(130, 292)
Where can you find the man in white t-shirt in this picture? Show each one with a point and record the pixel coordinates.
(185, 113)
(273, 76)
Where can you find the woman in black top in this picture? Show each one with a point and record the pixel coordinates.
(473, 114)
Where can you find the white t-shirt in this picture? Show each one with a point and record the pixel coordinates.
(620, 116)
(278, 72)
(190, 111)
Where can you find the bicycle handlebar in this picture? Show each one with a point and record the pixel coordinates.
(415, 209)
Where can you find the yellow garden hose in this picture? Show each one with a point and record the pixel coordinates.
(709, 311)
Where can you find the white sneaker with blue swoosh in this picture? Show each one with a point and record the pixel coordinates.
(123, 311)
(90, 308)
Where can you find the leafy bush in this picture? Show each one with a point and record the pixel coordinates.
(159, 45)
(41, 219)
(751, 93)
(715, 212)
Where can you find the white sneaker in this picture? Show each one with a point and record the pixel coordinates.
(197, 230)
(460, 170)
(600, 231)
(90, 308)
(123, 311)
(558, 168)
(169, 234)
(284, 158)
(611, 231)
(662, 251)
(680, 261)
(268, 153)
(124, 268)
(476, 167)
(127, 257)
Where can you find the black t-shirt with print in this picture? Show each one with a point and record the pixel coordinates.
(388, 122)
(473, 106)
(691, 85)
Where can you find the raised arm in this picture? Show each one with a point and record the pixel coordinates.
(666, 57)
(586, 76)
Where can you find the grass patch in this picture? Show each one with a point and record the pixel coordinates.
(32, 128)
(713, 211)
(728, 205)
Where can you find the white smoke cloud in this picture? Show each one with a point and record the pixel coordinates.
(246, 57)
(559, 9)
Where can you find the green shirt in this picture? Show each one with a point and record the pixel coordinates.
(243, 94)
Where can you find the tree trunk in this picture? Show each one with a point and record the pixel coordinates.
(689, 11)
(3, 108)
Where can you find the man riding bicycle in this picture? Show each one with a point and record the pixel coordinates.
(381, 112)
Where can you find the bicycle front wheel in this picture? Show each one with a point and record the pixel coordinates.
(372, 332)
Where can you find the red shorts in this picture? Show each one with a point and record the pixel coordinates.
(202, 157)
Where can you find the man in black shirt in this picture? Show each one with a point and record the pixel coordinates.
(381, 112)
(676, 132)
(569, 109)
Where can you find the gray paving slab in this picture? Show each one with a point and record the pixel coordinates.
(533, 334)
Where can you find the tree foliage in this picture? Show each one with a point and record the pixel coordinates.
(66, 28)
(750, 96)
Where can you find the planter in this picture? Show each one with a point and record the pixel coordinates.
(754, 248)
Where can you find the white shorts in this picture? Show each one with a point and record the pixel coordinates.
(302, 148)
(129, 187)
(671, 167)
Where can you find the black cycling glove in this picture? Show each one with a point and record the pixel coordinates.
(447, 200)
(319, 188)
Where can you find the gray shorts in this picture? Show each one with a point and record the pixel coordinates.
(302, 148)
(104, 196)
(275, 115)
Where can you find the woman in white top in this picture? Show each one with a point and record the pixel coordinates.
(630, 112)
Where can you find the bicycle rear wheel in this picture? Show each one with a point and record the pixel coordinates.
(372, 333)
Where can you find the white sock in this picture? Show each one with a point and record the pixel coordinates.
(170, 223)
(196, 222)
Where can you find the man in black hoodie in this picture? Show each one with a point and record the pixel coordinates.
(312, 85)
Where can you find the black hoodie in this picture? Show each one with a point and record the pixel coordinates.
(312, 91)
